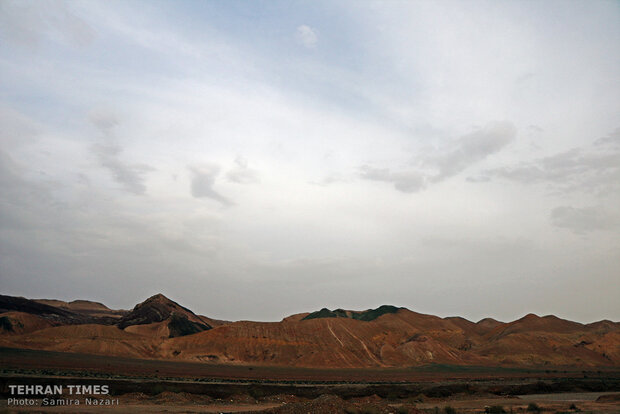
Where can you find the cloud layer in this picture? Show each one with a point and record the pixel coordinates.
(289, 157)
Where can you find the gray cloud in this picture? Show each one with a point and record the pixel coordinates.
(584, 220)
(131, 176)
(463, 153)
(472, 148)
(594, 168)
(405, 181)
(612, 139)
(242, 173)
(203, 180)
(104, 120)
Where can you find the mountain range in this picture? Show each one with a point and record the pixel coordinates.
(387, 336)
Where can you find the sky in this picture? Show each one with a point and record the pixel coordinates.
(251, 159)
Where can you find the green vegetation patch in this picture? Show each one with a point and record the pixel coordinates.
(368, 315)
(326, 313)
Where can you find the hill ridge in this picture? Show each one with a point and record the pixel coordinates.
(387, 336)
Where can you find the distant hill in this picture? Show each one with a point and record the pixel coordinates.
(86, 307)
(54, 314)
(367, 315)
(387, 336)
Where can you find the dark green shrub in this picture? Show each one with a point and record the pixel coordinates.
(449, 410)
(494, 409)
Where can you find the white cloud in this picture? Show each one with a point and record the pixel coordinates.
(307, 36)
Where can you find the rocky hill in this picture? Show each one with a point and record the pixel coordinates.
(158, 309)
(387, 336)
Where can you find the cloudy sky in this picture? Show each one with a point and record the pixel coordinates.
(256, 159)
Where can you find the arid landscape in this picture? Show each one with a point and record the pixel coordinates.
(160, 328)
(389, 359)
(310, 207)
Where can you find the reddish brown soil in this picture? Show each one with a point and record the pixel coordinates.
(400, 339)
(21, 359)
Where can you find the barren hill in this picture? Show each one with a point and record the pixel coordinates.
(55, 315)
(179, 321)
(85, 307)
(384, 337)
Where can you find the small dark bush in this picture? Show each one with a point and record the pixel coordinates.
(392, 395)
(494, 409)
(533, 408)
(449, 410)
(257, 392)
(5, 324)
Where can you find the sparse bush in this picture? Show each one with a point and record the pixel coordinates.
(494, 409)
(257, 392)
(402, 410)
(449, 410)
(533, 408)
